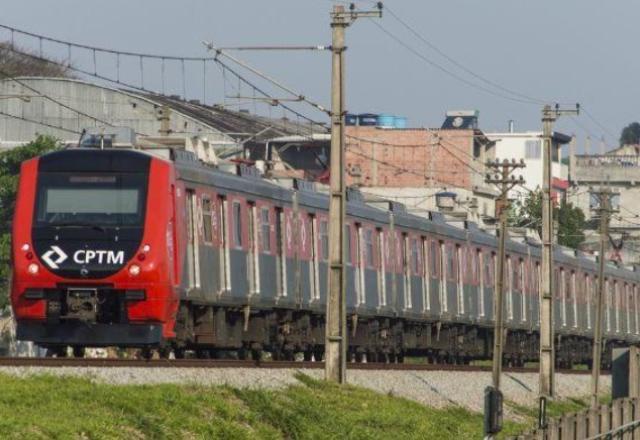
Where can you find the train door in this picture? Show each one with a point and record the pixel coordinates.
(224, 254)
(359, 269)
(444, 302)
(192, 244)
(510, 281)
(608, 293)
(636, 309)
(480, 278)
(253, 266)
(382, 268)
(628, 306)
(588, 292)
(426, 282)
(524, 289)
(315, 262)
(281, 254)
(459, 277)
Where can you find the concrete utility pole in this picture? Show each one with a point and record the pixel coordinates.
(604, 210)
(506, 182)
(336, 324)
(547, 357)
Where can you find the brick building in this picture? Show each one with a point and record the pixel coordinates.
(412, 165)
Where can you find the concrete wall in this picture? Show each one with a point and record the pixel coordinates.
(116, 107)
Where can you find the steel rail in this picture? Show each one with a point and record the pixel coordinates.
(233, 363)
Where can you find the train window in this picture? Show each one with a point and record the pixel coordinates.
(415, 256)
(557, 283)
(193, 257)
(265, 225)
(434, 259)
(568, 289)
(481, 283)
(324, 239)
(368, 247)
(510, 271)
(347, 243)
(452, 269)
(617, 301)
(488, 269)
(516, 274)
(206, 220)
(237, 224)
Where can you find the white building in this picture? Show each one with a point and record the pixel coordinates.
(527, 146)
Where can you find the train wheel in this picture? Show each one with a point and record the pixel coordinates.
(400, 357)
(256, 354)
(146, 353)
(308, 355)
(78, 351)
(203, 353)
(164, 352)
(318, 352)
(359, 356)
(179, 352)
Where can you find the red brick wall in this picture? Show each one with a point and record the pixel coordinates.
(402, 158)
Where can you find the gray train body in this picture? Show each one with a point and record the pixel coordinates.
(255, 278)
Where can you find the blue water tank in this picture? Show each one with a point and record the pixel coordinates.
(386, 120)
(351, 119)
(368, 119)
(400, 122)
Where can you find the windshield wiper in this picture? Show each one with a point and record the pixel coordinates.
(79, 225)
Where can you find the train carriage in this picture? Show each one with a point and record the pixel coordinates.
(131, 248)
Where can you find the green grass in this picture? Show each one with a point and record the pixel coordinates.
(61, 408)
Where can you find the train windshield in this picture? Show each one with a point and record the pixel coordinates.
(76, 199)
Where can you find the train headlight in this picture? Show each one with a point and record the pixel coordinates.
(33, 268)
(134, 270)
(146, 248)
(25, 247)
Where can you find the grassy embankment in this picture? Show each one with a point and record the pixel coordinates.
(51, 407)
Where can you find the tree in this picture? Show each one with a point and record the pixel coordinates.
(571, 220)
(10, 161)
(17, 61)
(630, 134)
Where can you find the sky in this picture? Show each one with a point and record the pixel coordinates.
(568, 51)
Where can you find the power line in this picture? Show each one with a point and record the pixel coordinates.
(449, 72)
(458, 64)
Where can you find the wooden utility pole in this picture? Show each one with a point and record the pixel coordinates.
(549, 116)
(506, 182)
(336, 319)
(604, 211)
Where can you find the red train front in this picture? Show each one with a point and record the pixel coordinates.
(93, 243)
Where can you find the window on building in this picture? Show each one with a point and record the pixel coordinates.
(434, 259)
(265, 224)
(488, 269)
(206, 220)
(533, 149)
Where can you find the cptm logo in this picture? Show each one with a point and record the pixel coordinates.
(60, 257)
(56, 256)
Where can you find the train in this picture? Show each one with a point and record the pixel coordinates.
(154, 249)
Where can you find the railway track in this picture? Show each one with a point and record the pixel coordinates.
(231, 363)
